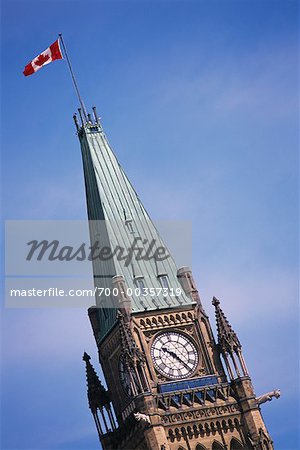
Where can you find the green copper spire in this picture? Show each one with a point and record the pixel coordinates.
(125, 224)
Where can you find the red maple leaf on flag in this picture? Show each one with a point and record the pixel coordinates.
(47, 56)
(41, 59)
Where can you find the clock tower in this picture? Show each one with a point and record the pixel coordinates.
(170, 384)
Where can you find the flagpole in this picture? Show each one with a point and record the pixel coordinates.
(73, 78)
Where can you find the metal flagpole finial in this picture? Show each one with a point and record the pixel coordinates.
(73, 77)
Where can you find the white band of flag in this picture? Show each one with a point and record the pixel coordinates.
(50, 54)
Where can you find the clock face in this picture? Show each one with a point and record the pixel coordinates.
(174, 355)
(125, 377)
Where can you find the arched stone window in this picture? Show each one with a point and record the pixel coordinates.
(217, 446)
(235, 444)
(200, 447)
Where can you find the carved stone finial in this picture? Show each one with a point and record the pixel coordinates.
(215, 301)
(86, 357)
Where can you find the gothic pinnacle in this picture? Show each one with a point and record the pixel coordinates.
(86, 357)
(97, 394)
(227, 337)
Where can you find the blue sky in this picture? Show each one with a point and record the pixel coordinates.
(200, 102)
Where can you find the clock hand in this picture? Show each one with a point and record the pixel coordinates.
(184, 364)
(176, 357)
(170, 352)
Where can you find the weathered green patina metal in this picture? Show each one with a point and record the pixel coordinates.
(112, 199)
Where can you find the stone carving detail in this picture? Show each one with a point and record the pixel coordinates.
(128, 410)
(161, 321)
(132, 357)
(142, 418)
(202, 429)
(160, 376)
(257, 440)
(250, 438)
(110, 346)
(149, 334)
(263, 438)
(189, 329)
(130, 350)
(268, 397)
(197, 414)
(201, 371)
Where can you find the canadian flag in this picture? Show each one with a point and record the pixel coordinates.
(50, 54)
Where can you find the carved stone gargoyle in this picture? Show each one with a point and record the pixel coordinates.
(142, 418)
(268, 397)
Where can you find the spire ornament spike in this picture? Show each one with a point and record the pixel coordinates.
(75, 118)
(86, 357)
(81, 117)
(97, 394)
(95, 114)
(229, 344)
(99, 400)
(215, 301)
(227, 337)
